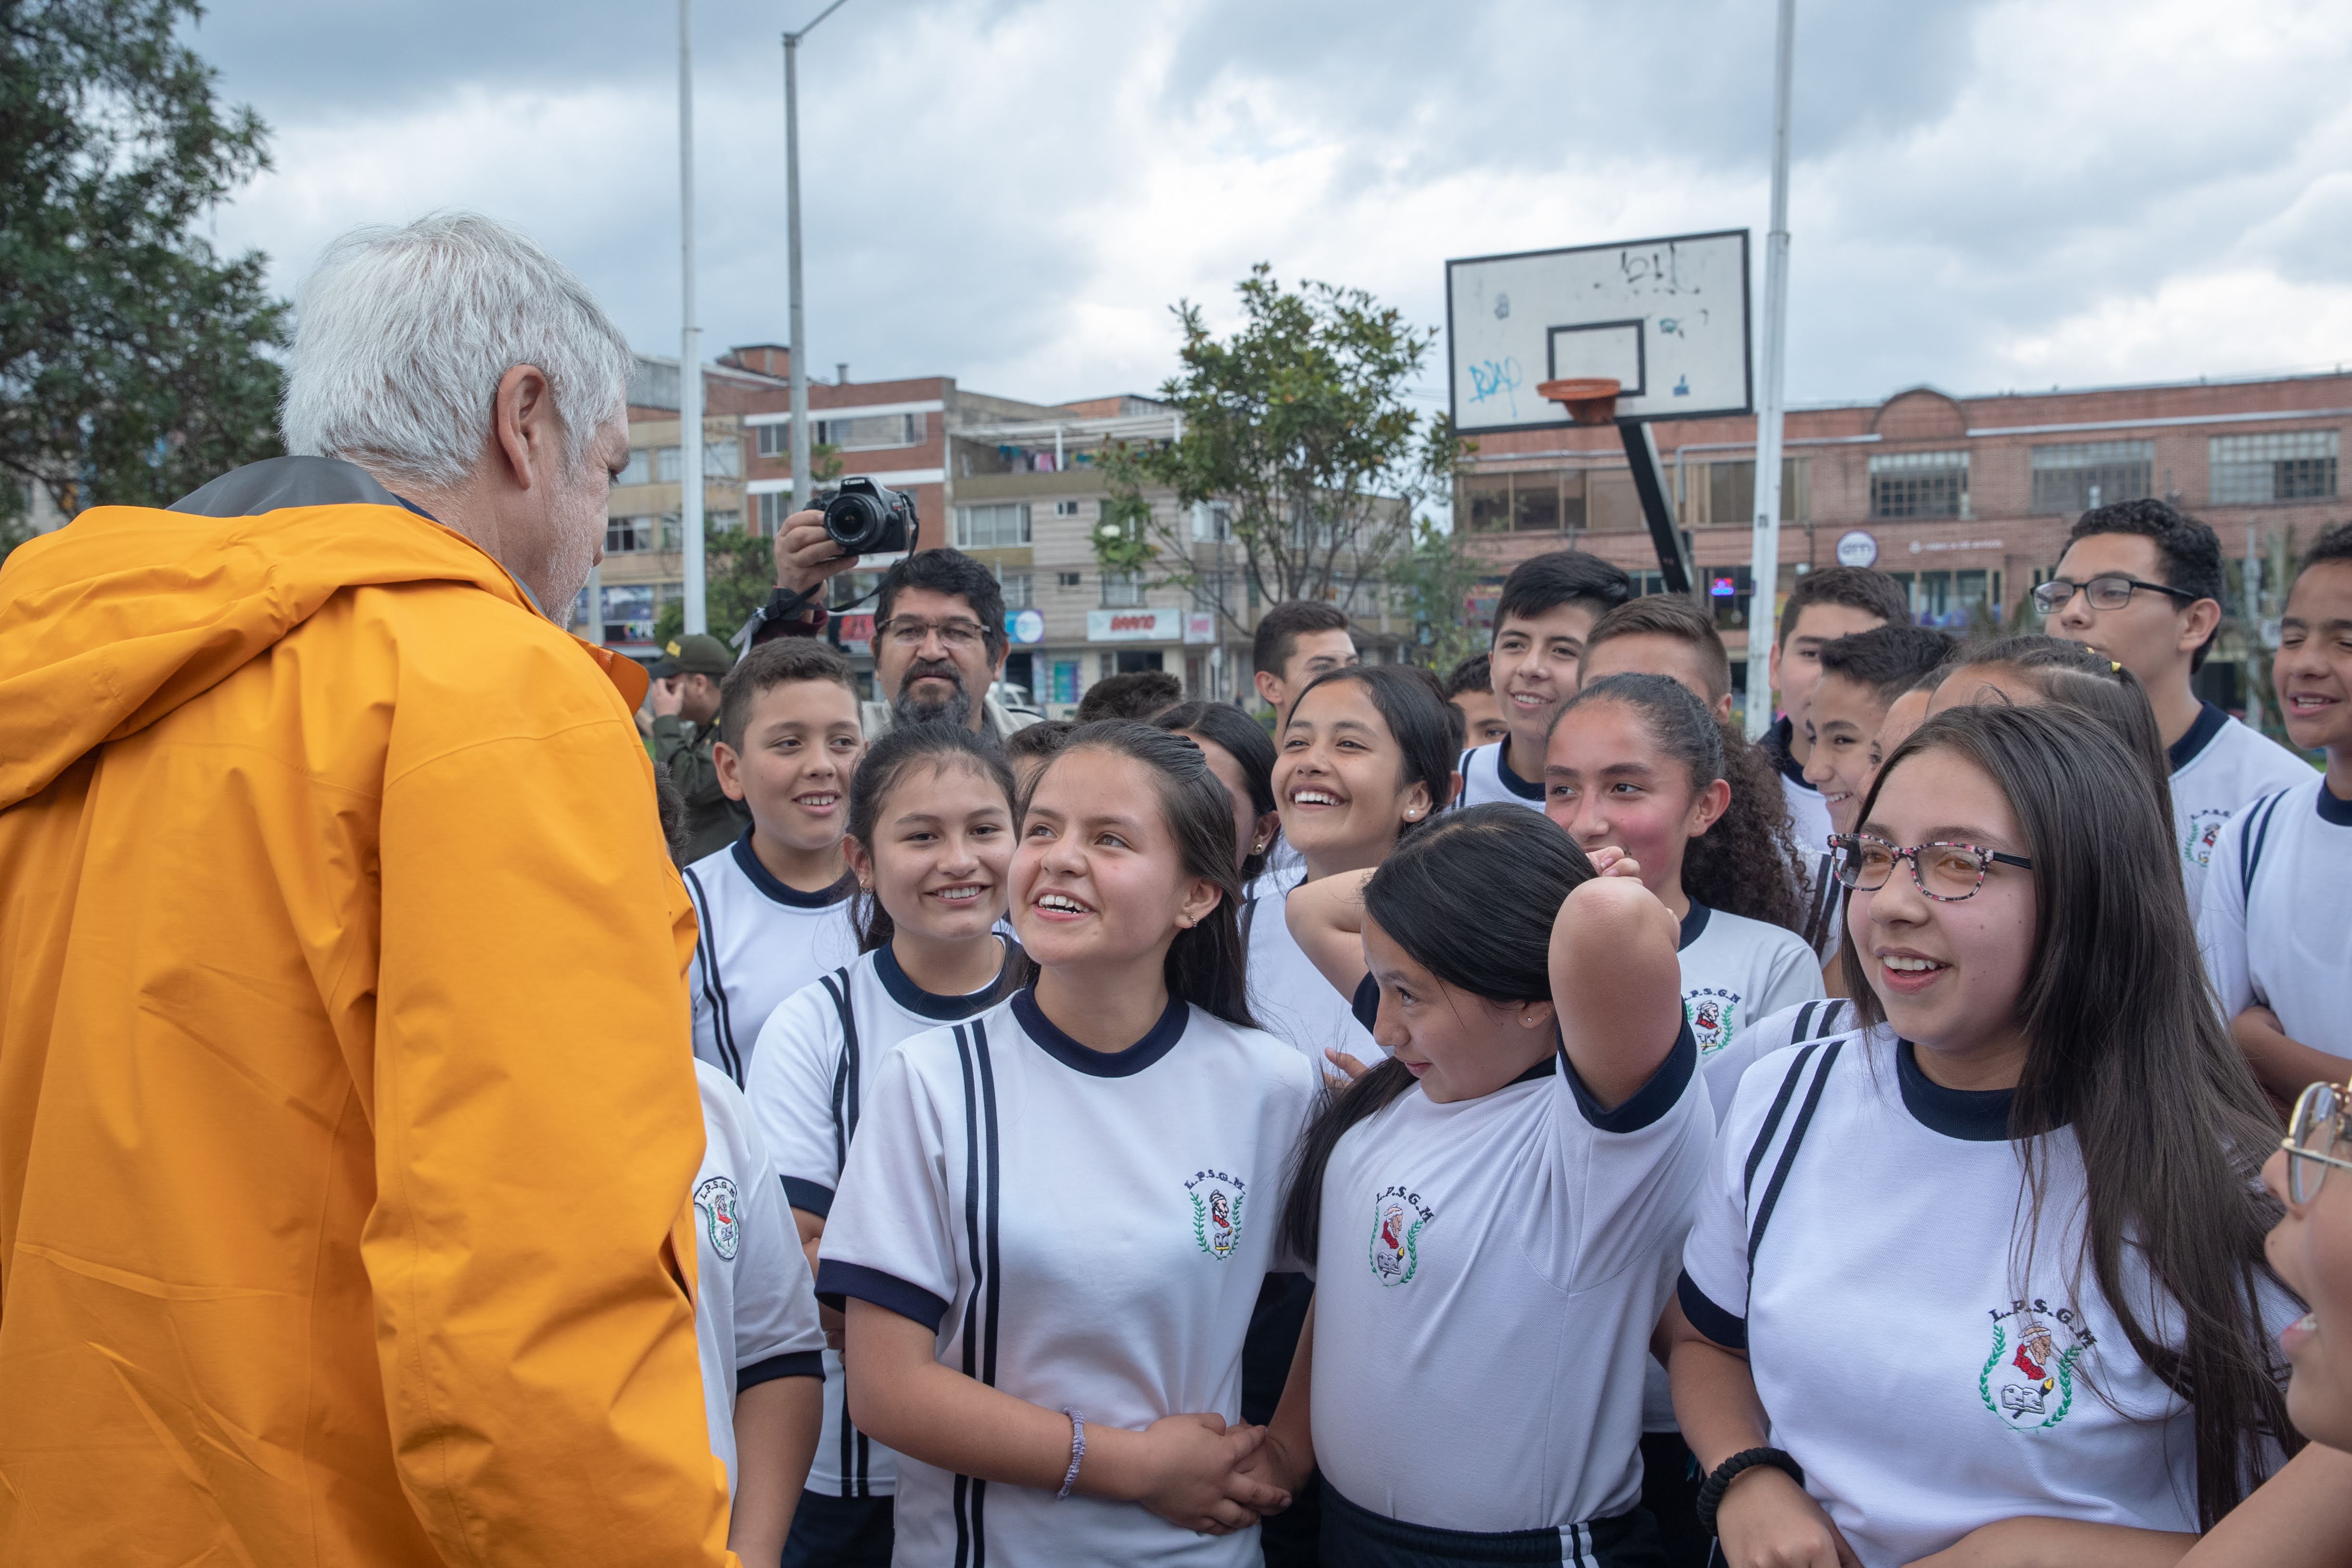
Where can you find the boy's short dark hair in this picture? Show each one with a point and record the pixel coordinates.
(1138, 694)
(1890, 660)
(776, 663)
(2333, 544)
(945, 571)
(1281, 627)
(1860, 588)
(2187, 552)
(1474, 674)
(1669, 615)
(1039, 741)
(1544, 582)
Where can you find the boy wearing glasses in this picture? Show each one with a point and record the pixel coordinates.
(2278, 972)
(2142, 582)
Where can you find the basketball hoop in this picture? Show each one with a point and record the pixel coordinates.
(1590, 400)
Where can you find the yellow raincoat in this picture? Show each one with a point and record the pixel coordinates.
(347, 1113)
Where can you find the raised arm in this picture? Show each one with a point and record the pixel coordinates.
(1617, 984)
(1327, 921)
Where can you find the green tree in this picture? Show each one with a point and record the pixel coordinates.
(1301, 424)
(134, 362)
(1434, 581)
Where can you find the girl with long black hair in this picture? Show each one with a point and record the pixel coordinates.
(1364, 760)
(1984, 1275)
(1057, 1215)
(930, 841)
(1493, 1211)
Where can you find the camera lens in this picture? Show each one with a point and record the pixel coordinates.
(855, 522)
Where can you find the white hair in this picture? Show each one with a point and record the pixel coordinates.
(402, 335)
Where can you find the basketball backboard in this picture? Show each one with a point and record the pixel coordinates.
(1666, 318)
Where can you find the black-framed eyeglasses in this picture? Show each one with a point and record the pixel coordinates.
(2107, 591)
(913, 631)
(2313, 1132)
(1946, 872)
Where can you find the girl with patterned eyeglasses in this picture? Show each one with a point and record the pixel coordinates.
(1981, 1281)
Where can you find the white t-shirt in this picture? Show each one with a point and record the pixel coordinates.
(1816, 1018)
(1489, 1274)
(1486, 777)
(1810, 827)
(2274, 929)
(2216, 767)
(1927, 1377)
(1733, 969)
(1083, 1230)
(1291, 999)
(754, 1306)
(810, 1080)
(760, 942)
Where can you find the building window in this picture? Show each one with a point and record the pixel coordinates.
(1919, 484)
(639, 469)
(1001, 527)
(775, 441)
(722, 460)
(725, 521)
(1212, 522)
(1019, 590)
(1539, 500)
(1122, 590)
(629, 612)
(865, 433)
(774, 507)
(666, 466)
(1731, 491)
(1066, 509)
(627, 535)
(2084, 474)
(2288, 465)
(1067, 579)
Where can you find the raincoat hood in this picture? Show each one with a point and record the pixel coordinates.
(126, 614)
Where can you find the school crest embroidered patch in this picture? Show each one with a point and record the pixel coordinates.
(1217, 1200)
(2204, 830)
(1398, 1216)
(722, 1215)
(1713, 1016)
(2028, 1379)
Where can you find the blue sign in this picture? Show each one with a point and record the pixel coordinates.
(1722, 588)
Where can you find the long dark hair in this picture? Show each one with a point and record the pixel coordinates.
(1473, 901)
(899, 751)
(1745, 863)
(1424, 726)
(1250, 745)
(1204, 963)
(2122, 1045)
(2075, 676)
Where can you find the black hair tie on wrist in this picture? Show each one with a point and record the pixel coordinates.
(1710, 1492)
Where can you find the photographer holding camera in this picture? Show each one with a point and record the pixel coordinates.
(939, 616)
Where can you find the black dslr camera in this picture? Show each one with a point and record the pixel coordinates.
(866, 518)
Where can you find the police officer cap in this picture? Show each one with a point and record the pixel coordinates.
(693, 654)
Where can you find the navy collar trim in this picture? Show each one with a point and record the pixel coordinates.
(2184, 751)
(1779, 744)
(766, 881)
(1511, 781)
(1547, 1067)
(1972, 1115)
(1693, 924)
(2333, 809)
(934, 1004)
(1157, 1042)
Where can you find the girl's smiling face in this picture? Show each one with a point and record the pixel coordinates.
(1611, 787)
(942, 845)
(1098, 879)
(1338, 781)
(1460, 1045)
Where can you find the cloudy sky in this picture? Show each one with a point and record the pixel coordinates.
(1986, 195)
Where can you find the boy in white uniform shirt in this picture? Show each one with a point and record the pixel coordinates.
(774, 906)
(1550, 605)
(2276, 940)
(2142, 582)
(755, 1325)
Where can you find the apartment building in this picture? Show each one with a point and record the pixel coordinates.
(1966, 501)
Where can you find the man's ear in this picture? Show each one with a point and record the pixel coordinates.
(523, 423)
(729, 768)
(2197, 624)
(1269, 689)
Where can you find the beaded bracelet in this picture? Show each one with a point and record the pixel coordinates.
(1077, 1453)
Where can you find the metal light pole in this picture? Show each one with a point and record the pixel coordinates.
(690, 358)
(802, 486)
(1764, 564)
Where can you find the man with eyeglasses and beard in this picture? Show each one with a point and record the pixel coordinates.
(939, 629)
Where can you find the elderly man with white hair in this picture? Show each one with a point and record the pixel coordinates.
(347, 1111)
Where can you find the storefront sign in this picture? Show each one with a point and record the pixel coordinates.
(1026, 628)
(1200, 626)
(1135, 625)
(1857, 548)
